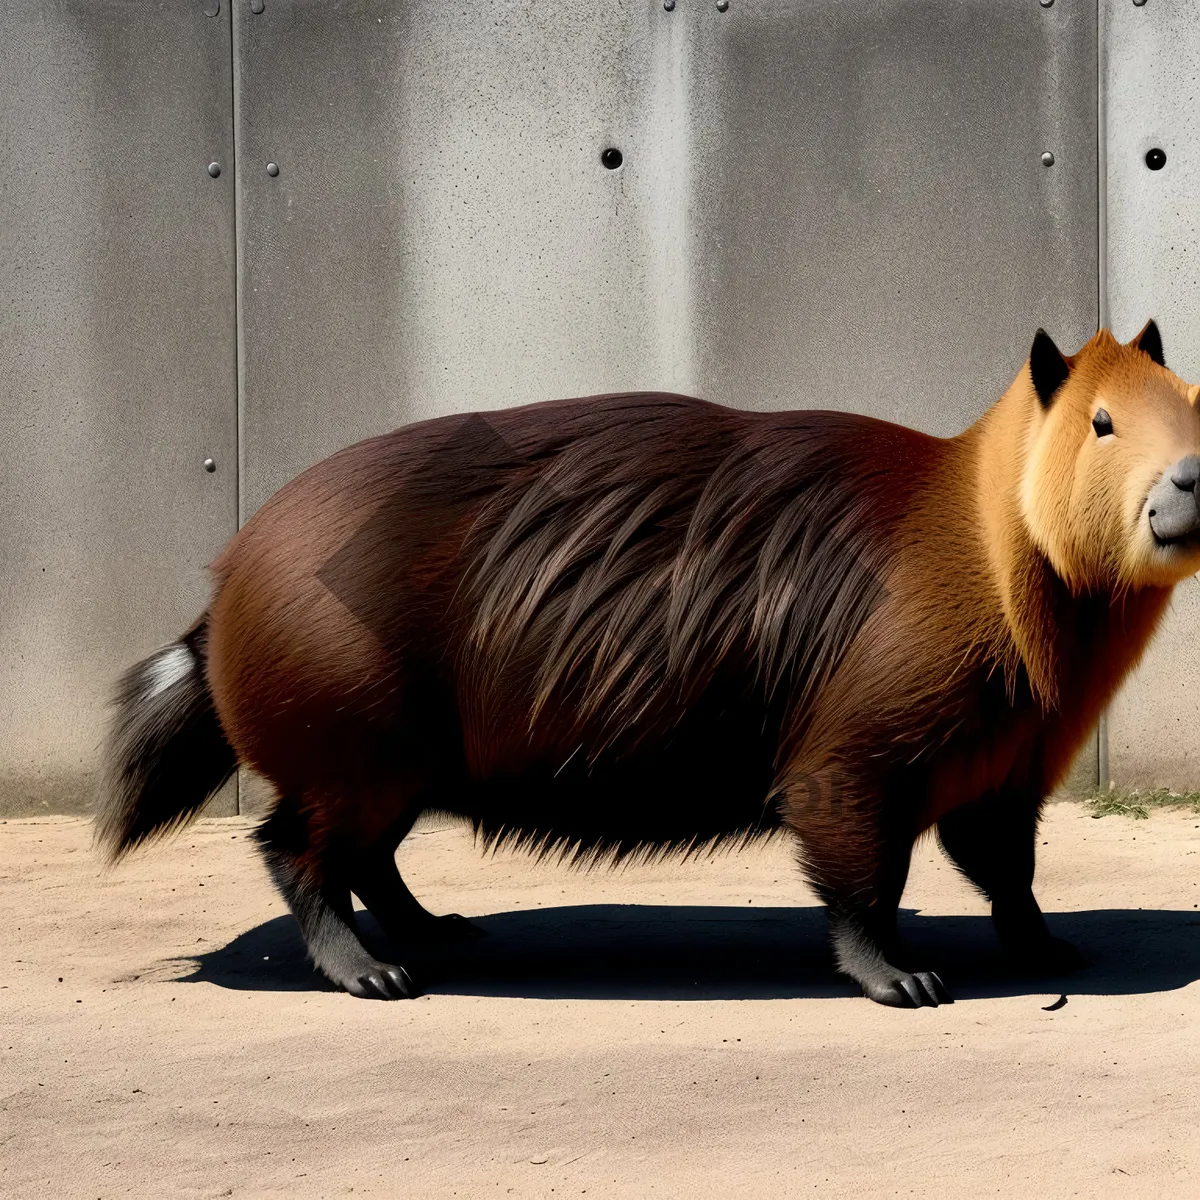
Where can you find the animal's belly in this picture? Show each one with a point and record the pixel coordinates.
(675, 775)
(694, 788)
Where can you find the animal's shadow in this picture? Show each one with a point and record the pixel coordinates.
(677, 952)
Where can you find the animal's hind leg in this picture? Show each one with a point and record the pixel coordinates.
(992, 842)
(859, 865)
(312, 879)
(377, 882)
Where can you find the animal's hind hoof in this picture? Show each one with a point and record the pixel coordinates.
(921, 989)
(379, 981)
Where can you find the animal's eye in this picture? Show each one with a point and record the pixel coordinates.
(1102, 423)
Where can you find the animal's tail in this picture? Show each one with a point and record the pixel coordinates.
(166, 753)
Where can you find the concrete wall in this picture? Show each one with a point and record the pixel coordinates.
(834, 203)
(117, 361)
(822, 203)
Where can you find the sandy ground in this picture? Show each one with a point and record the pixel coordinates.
(668, 1030)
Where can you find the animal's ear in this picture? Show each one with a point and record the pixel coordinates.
(1194, 394)
(1047, 367)
(1150, 340)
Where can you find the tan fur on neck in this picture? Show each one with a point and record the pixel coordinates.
(1062, 515)
(1020, 569)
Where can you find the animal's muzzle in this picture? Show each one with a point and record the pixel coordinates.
(1174, 502)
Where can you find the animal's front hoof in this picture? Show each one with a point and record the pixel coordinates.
(1049, 956)
(373, 980)
(921, 989)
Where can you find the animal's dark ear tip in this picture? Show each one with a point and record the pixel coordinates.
(1047, 367)
(1043, 344)
(1150, 342)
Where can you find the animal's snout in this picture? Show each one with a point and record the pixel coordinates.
(1186, 472)
(1174, 501)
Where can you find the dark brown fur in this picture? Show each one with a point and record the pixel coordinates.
(645, 622)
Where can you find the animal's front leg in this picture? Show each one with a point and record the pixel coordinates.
(857, 855)
(992, 841)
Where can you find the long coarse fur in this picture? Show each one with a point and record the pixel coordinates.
(681, 579)
(649, 556)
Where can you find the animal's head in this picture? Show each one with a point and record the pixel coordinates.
(1111, 483)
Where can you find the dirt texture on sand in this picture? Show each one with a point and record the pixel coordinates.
(672, 1029)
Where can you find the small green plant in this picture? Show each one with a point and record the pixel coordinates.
(1137, 802)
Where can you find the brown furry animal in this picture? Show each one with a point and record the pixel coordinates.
(648, 622)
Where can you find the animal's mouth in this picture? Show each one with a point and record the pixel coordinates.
(1183, 541)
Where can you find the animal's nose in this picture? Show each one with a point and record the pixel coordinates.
(1175, 501)
(1186, 473)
